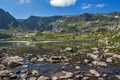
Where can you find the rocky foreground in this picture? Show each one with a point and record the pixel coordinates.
(66, 64)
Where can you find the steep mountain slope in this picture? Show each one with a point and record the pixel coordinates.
(7, 20)
(40, 23)
(77, 23)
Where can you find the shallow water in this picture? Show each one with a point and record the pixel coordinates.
(46, 68)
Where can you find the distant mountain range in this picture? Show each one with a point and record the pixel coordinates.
(75, 23)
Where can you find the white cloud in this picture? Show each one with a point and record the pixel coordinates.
(62, 3)
(24, 1)
(86, 6)
(100, 5)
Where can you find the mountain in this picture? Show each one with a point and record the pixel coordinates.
(40, 23)
(7, 20)
(73, 23)
(76, 23)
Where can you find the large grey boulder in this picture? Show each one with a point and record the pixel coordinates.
(99, 63)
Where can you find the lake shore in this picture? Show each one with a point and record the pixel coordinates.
(76, 63)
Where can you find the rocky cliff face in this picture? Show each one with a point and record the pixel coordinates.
(7, 20)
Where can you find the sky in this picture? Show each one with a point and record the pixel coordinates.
(22, 9)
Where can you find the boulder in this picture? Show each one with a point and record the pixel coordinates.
(77, 67)
(109, 60)
(2, 67)
(33, 60)
(95, 57)
(43, 78)
(35, 73)
(94, 72)
(55, 78)
(63, 75)
(15, 59)
(109, 54)
(99, 63)
(33, 78)
(86, 61)
(4, 72)
(15, 64)
(40, 59)
(118, 76)
(23, 76)
(69, 49)
(116, 56)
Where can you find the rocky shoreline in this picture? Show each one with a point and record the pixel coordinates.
(66, 64)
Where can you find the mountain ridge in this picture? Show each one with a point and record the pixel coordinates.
(71, 23)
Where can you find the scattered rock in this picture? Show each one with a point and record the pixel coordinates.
(55, 78)
(99, 63)
(95, 57)
(40, 60)
(77, 67)
(33, 60)
(33, 78)
(35, 73)
(2, 67)
(69, 49)
(116, 56)
(118, 76)
(23, 76)
(4, 72)
(63, 75)
(15, 59)
(94, 72)
(43, 78)
(109, 60)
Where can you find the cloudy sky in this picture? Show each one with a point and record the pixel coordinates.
(24, 8)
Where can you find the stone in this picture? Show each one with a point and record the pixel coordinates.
(101, 79)
(55, 78)
(15, 64)
(99, 63)
(118, 76)
(86, 61)
(24, 71)
(4, 72)
(33, 59)
(57, 59)
(33, 78)
(2, 67)
(85, 78)
(94, 72)
(63, 75)
(15, 59)
(12, 76)
(109, 60)
(109, 54)
(68, 49)
(77, 67)
(95, 57)
(78, 76)
(43, 78)
(116, 56)
(40, 60)
(23, 76)
(35, 73)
